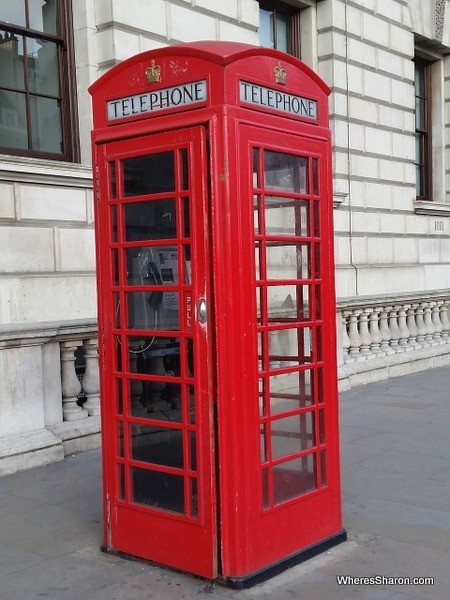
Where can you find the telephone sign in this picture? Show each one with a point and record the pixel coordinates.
(216, 310)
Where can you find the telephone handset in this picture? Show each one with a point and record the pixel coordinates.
(155, 298)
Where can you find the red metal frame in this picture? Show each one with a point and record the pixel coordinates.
(256, 532)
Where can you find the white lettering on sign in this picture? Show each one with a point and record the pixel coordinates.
(282, 101)
(171, 97)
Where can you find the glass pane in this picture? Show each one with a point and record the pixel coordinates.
(190, 391)
(286, 172)
(322, 426)
(288, 303)
(112, 180)
(115, 267)
(13, 120)
(285, 216)
(150, 174)
(152, 220)
(193, 450)
(290, 261)
(266, 38)
(292, 434)
(262, 438)
(44, 15)
(419, 181)
(46, 125)
(420, 114)
(157, 445)
(159, 490)
(11, 61)
(194, 498)
(120, 439)
(119, 395)
(316, 218)
(186, 227)
(323, 468)
(265, 488)
(121, 481)
(419, 80)
(294, 478)
(155, 356)
(14, 13)
(152, 266)
(153, 310)
(290, 347)
(43, 74)
(282, 33)
(256, 209)
(290, 391)
(256, 182)
(113, 223)
(315, 176)
(184, 169)
(317, 257)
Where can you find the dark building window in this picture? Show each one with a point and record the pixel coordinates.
(423, 129)
(279, 27)
(37, 111)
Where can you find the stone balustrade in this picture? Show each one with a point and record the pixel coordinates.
(80, 399)
(382, 329)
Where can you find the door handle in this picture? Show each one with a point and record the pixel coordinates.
(202, 311)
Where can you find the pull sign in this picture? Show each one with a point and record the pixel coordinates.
(158, 100)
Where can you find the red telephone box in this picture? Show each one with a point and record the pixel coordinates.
(216, 310)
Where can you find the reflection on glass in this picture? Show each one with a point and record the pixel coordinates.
(290, 261)
(13, 125)
(292, 434)
(294, 478)
(290, 347)
(286, 172)
(116, 308)
(152, 220)
(119, 396)
(286, 216)
(190, 391)
(266, 28)
(158, 490)
(290, 391)
(288, 303)
(14, 13)
(149, 174)
(282, 32)
(157, 265)
(44, 15)
(46, 125)
(317, 256)
(319, 392)
(158, 445)
(43, 73)
(258, 261)
(11, 61)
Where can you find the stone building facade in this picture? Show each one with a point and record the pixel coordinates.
(388, 65)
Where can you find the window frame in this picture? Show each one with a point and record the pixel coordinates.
(425, 191)
(67, 92)
(293, 24)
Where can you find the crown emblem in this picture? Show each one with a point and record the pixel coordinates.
(280, 74)
(153, 73)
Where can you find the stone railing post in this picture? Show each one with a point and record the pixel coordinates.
(444, 320)
(375, 333)
(70, 384)
(404, 331)
(411, 325)
(346, 343)
(428, 324)
(385, 331)
(394, 329)
(353, 334)
(90, 382)
(438, 328)
(364, 334)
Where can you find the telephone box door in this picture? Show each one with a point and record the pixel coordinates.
(289, 428)
(156, 367)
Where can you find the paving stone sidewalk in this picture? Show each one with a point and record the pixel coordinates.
(395, 438)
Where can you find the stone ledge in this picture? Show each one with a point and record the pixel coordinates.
(379, 369)
(26, 450)
(78, 436)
